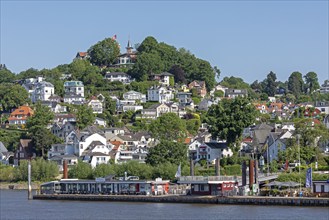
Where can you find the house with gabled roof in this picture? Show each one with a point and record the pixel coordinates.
(162, 78)
(160, 94)
(20, 115)
(200, 87)
(96, 105)
(25, 151)
(118, 77)
(81, 56)
(210, 151)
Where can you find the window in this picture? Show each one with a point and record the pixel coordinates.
(208, 156)
(322, 188)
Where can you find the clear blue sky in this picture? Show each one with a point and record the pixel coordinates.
(246, 39)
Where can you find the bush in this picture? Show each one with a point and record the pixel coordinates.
(232, 170)
(41, 170)
(6, 173)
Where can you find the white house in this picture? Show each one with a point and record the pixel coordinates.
(163, 78)
(159, 94)
(118, 77)
(323, 107)
(96, 105)
(155, 111)
(210, 151)
(74, 87)
(43, 90)
(133, 95)
(100, 122)
(74, 99)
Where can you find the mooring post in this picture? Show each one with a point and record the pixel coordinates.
(29, 180)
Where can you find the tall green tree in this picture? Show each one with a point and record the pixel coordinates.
(146, 64)
(6, 76)
(229, 117)
(104, 53)
(296, 84)
(85, 116)
(148, 45)
(311, 82)
(168, 127)
(270, 84)
(13, 96)
(36, 125)
(167, 152)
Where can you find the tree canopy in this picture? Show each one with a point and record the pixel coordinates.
(104, 53)
(85, 116)
(36, 125)
(168, 127)
(167, 152)
(229, 117)
(13, 96)
(157, 57)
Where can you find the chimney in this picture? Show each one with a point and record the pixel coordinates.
(65, 174)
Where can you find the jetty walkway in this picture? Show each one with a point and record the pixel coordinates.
(236, 200)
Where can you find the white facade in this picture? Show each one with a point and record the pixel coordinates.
(43, 90)
(118, 76)
(213, 150)
(81, 146)
(133, 95)
(159, 94)
(74, 87)
(96, 105)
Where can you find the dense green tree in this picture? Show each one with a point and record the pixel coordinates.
(228, 118)
(168, 127)
(296, 84)
(256, 85)
(29, 73)
(234, 83)
(167, 152)
(41, 117)
(6, 76)
(81, 170)
(36, 125)
(148, 45)
(310, 132)
(42, 170)
(193, 125)
(10, 138)
(270, 84)
(311, 82)
(178, 73)
(146, 64)
(85, 116)
(13, 96)
(104, 53)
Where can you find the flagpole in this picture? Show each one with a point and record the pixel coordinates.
(300, 187)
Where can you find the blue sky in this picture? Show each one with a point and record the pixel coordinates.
(246, 39)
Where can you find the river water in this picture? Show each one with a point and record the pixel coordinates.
(14, 205)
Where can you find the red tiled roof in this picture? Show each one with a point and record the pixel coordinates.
(23, 111)
(82, 54)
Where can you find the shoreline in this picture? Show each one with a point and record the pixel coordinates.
(235, 200)
(19, 185)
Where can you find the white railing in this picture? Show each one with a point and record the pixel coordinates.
(207, 178)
